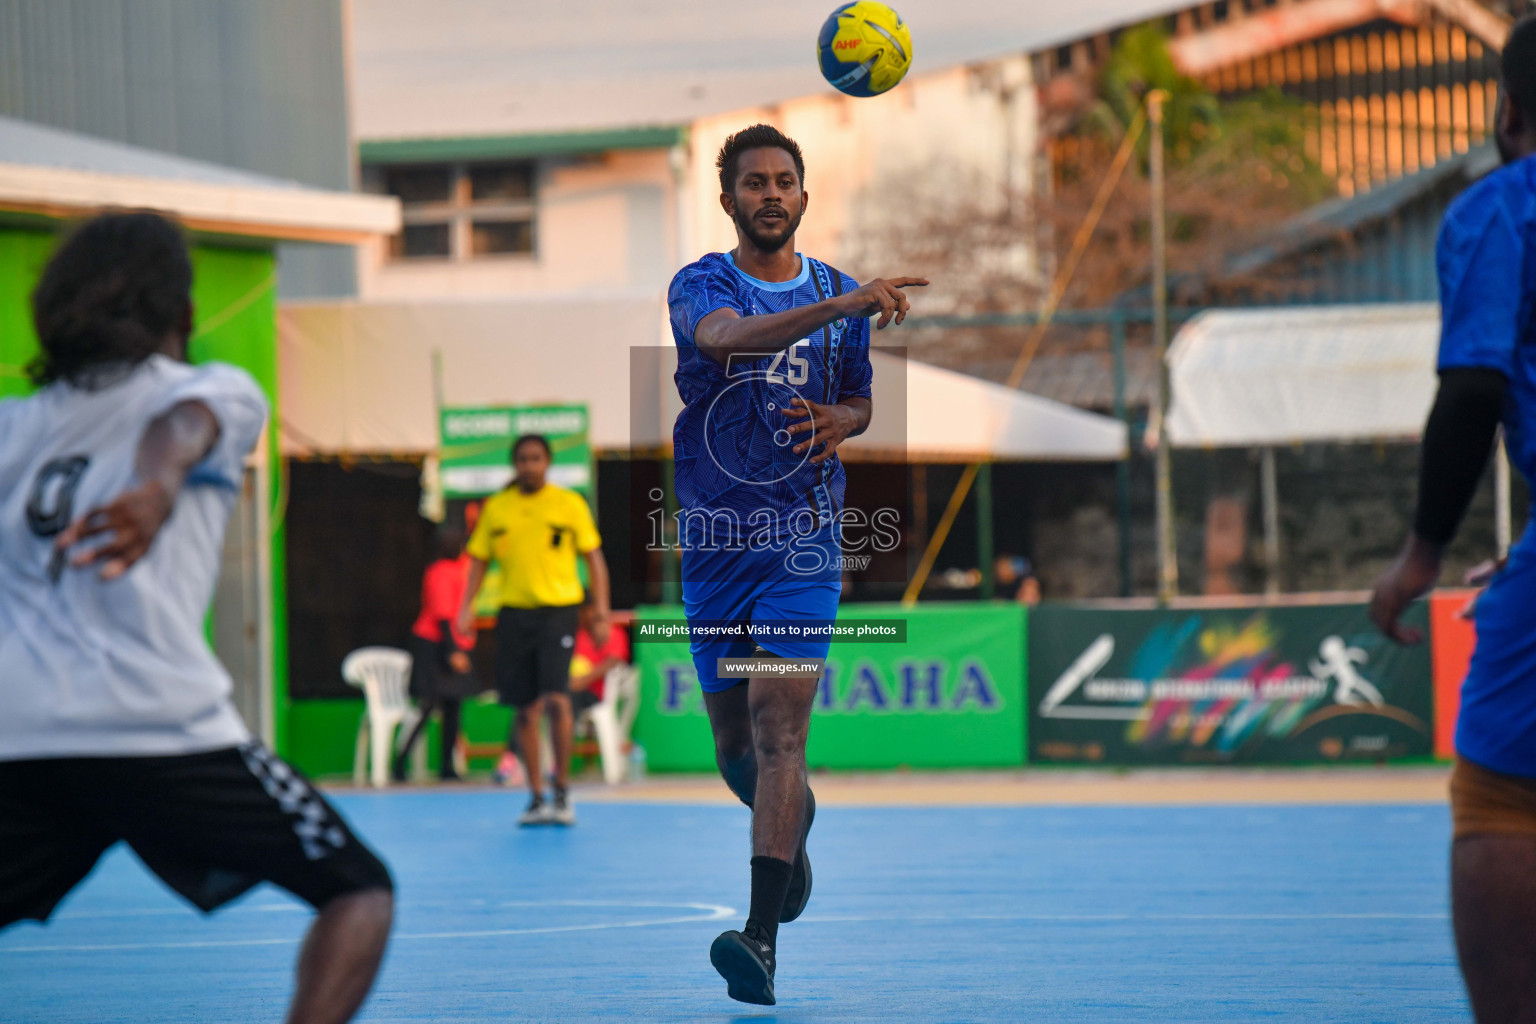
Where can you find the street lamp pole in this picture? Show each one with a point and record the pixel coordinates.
(1167, 555)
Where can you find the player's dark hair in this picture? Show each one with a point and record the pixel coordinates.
(759, 136)
(116, 287)
(538, 439)
(1519, 65)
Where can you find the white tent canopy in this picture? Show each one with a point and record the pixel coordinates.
(358, 378)
(1259, 377)
(1268, 377)
(951, 416)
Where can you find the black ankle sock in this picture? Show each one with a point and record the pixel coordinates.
(770, 881)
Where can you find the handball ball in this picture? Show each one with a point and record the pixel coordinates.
(864, 48)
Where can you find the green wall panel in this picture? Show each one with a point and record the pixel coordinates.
(23, 253)
(951, 696)
(322, 734)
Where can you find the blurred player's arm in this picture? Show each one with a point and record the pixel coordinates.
(725, 331)
(466, 621)
(173, 444)
(1480, 257)
(1458, 440)
(597, 580)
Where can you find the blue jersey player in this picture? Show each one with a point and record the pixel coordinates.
(1487, 265)
(774, 373)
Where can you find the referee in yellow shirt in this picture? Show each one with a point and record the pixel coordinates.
(534, 530)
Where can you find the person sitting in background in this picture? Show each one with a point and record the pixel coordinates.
(1016, 581)
(441, 675)
(591, 662)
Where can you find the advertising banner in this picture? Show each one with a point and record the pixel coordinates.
(475, 447)
(1255, 685)
(948, 694)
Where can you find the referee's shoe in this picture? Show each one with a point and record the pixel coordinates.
(538, 813)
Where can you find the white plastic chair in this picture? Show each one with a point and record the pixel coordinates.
(612, 718)
(384, 675)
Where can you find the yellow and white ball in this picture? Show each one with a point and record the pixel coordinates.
(864, 48)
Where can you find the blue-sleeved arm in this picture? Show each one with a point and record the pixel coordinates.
(857, 374)
(1481, 261)
(697, 291)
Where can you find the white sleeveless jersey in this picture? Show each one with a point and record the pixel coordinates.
(96, 668)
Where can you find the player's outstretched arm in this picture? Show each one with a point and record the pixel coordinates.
(173, 443)
(1458, 440)
(725, 331)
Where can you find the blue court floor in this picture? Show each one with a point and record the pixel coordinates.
(1041, 914)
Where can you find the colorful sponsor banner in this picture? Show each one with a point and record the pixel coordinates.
(950, 696)
(475, 447)
(1213, 686)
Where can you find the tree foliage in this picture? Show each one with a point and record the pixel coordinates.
(1236, 169)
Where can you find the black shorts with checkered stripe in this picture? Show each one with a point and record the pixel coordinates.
(211, 825)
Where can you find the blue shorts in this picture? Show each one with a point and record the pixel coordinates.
(752, 588)
(1496, 728)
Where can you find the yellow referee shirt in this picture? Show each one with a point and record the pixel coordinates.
(535, 538)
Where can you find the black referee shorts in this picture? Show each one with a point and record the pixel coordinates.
(533, 652)
(211, 825)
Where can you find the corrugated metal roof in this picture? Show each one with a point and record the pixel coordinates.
(506, 67)
(58, 173)
(35, 145)
(256, 84)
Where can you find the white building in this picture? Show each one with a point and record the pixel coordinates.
(552, 149)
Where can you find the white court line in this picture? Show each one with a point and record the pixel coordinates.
(716, 912)
(298, 907)
(1089, 918)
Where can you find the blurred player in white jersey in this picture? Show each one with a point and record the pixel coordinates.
(117, 478)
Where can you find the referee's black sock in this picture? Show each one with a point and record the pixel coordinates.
(770, 881)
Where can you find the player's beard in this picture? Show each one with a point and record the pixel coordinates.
(763, 242)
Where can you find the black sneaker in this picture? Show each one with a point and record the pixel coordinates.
(799, 892)
(746, 964)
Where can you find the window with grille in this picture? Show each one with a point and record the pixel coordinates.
(465, 211)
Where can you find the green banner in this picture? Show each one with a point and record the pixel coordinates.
(1257, 685)
(951, 696)
(475, 447)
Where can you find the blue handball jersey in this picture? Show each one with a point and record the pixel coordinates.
(1486, 259)
(731, 450)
